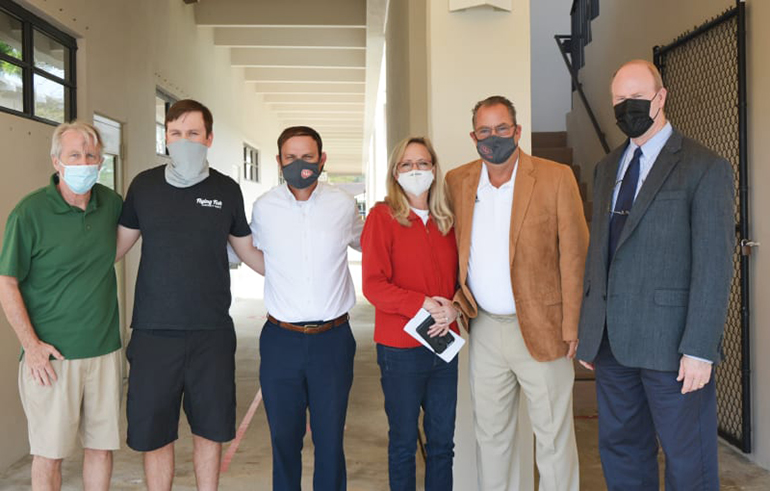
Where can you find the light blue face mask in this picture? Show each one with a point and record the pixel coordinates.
(80, 178)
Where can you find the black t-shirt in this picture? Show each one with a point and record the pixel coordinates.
(184, 275)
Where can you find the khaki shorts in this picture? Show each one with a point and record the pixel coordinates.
(83, 403)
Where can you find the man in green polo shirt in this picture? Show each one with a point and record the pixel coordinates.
(58, 291)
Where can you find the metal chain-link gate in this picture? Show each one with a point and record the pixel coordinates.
(704, 73)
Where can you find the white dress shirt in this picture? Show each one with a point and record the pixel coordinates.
(306, 252)
(489, 267)
(650, 151)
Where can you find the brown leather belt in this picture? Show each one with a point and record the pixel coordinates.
(310, 328)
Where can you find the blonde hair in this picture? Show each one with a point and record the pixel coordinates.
(87, 130)
(396, 199)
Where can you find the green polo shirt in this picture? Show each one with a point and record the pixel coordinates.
(64, 260)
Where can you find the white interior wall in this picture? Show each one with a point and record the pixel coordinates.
(125, 50)
(551, 84)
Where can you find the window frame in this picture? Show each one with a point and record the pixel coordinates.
(255, 154)
(31, 22)
(169, 101)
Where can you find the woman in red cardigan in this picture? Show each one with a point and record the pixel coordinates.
(410, 262)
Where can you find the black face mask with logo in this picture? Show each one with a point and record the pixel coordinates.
(300, 174)
(496, 149)
(633, 116)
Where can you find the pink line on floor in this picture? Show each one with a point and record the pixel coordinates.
(241, 431)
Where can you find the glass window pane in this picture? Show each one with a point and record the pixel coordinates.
(160, 110)
(107, 172)
(10, 35)
(160, 139)
(51, 56)
(11, 86)
(49, 99)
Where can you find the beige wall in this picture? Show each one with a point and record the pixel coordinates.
(615, 41)
(758, 41)
(473, 54)
(407, 70)
(125, 50)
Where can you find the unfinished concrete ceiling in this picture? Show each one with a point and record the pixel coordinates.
(308, 60)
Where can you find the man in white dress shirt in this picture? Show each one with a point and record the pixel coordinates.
(521, 239)
(306, 347)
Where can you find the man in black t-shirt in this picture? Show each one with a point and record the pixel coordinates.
(183, 344)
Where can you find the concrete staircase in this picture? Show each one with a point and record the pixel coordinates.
(552, 145)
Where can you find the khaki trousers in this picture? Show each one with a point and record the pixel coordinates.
(501, 369)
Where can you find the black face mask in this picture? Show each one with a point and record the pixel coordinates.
(633, 116)
(300, 173)
(496, 149)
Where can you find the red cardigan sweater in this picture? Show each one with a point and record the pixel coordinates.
(401, 266)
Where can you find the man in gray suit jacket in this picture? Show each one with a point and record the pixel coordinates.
(655, 296)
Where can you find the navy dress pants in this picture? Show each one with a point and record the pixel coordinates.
(300, 372)
(638, 408)
(414, 378)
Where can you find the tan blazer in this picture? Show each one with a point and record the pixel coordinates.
(548, 245)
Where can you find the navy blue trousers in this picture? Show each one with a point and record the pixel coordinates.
(638, 408)
(300, 372)
(415, 378)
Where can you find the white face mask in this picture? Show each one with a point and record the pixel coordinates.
(416, 182)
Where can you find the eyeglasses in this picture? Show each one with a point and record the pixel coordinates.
(505, 130)
(408, 165)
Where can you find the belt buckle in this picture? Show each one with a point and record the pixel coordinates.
(310, 327)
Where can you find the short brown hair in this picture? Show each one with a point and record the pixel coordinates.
(493, 101)
(180, 108)
(293, 131)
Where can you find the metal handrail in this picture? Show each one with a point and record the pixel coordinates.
(561, 40)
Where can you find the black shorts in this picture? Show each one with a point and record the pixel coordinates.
(167, 366)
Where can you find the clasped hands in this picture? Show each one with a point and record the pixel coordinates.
(443, 312)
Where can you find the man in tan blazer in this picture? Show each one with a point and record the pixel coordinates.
(522, 241)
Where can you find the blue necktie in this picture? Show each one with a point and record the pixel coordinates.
(624, 202)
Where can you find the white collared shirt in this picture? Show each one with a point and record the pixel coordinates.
(489, 267)
(650, 151)
(306, 252)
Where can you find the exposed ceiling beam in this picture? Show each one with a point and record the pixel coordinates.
(296, 37)
(320, 99)
(298, 57)
(308, 88)
(280, 74)
(271, 13)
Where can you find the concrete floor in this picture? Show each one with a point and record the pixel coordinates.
(366, 438)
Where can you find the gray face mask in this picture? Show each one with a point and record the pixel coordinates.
(301, 173)
(496, 149)
(188, 164)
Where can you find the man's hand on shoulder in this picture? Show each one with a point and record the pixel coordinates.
(36, 359)
(693, 373)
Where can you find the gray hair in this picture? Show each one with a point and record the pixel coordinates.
(87, 130)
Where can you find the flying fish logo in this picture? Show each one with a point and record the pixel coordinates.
(209, 203)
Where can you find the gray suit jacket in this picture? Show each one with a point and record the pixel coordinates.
(667, 290)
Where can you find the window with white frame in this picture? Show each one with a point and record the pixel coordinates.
(163, 101)
(250, 163)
